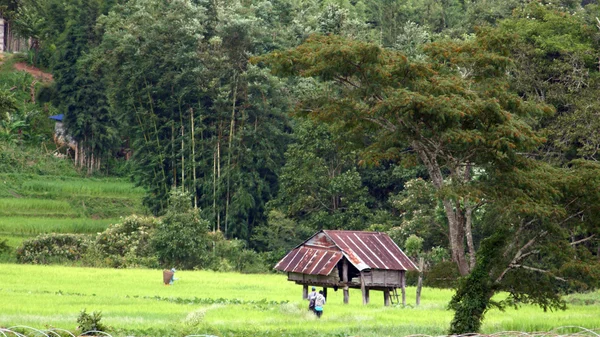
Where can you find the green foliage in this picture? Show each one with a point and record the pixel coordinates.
(21, 120)
(279, 236)
(181, 238)
(413, 245)
(555, 53)
(89, 324)
(53, 248)
(232, 255)
(4, 247)
(127, 244)
(33, 160)
(205, 119)
(421, 214)
(443, 275)
(411, 40)
(320, 185)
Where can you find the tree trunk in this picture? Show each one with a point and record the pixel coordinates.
(469, 235)
(456, 221)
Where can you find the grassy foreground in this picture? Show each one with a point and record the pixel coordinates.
(134, 302)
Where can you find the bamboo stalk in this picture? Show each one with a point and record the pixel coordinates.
(193, 159)
(215, 188)
(219, 174)
(230, 150)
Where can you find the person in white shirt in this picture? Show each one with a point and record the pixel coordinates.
(319, 303)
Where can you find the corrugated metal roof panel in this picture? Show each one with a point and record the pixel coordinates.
(312, 261)
(371, 250)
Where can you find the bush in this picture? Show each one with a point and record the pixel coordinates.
(181, 238)
(232, 255)
(89, 323)
(128, 244)
(53, 248)
(442, 275)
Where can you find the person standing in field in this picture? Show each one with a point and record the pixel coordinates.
(312, 296)
(319, 303)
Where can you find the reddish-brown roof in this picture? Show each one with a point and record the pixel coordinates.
(313, 261)
(376, 250)
(365, 250)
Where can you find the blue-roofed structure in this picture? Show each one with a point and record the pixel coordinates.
(58, 118)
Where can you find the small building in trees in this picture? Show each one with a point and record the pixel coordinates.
(9, 41)
(349, 259)
(61, 138)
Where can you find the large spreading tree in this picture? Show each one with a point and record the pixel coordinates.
(456, 114)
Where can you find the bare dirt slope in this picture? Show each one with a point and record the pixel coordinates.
(35, 72)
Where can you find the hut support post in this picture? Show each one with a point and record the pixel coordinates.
(325, 292)
(305, 291)
(386, 297)
(367, 294)
(403, 284)
(363, 288)
(420, 281)
(345, 280)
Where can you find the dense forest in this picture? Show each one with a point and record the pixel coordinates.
(466, 129)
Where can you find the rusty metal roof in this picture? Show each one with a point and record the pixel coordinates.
(306, 260)
(376, 250)
(365, 250)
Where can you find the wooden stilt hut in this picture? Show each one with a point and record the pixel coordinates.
(349, 259)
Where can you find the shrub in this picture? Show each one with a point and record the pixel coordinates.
(53, 248)
(127, 244)
(232, 255)
(4, 247)
(181, 238)
(442, 275)
(89, 323)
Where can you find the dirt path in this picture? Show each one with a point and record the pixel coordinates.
(35, 72)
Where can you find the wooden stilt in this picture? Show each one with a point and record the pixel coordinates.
(305, 292)
(386, 297)
(363, 289)
(368, 295)
(325, 292)
(403, 280)
(345, 280)
(346, 295)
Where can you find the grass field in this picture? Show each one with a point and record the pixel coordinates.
(36, 225)
(81, 187)
(33, 204)
(35, 207)
(134, 302)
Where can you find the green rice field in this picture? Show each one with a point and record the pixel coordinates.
(39, 204)
(81, 187)
(35, 207)
(38, 225)
(135, 302)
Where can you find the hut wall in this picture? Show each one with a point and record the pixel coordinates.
(383, 278)
(331, 279)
